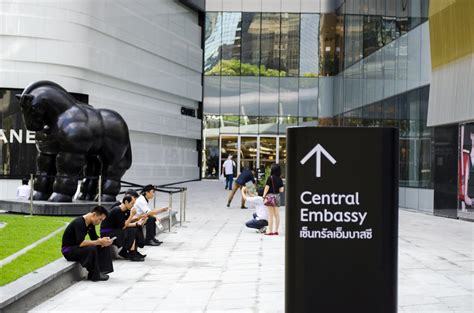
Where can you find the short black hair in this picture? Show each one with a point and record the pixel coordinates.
(24, 181)
(127, 199)
(100, 210)
(147, 188)
(131, 193)
(275, 170)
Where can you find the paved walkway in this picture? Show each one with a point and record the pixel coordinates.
(215, 264)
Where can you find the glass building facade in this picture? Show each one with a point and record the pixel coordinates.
(354, 66)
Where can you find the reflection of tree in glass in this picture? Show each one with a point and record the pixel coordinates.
(235, 68)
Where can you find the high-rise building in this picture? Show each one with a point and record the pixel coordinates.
(323, 63)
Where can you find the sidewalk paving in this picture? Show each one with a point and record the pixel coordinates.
(214, 264)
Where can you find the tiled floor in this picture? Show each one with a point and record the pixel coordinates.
(214, 264)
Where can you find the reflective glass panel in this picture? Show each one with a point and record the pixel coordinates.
(230, 124)
(269, 91)
(289, 96)
(328, 62)
(270, 45)
(268, 125)
(230, 95)
(251, 23)
(212, 94)
(17, 144)
(285, 122)
(231, 42)
(210, 158)
(289, 44)
(308, 97)
(212, 43)
(249, 124)
(309, 45)
(249, 95)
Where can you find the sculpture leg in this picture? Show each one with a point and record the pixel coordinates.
(89, 185)
(69, 166)
(45, 171)
(111, 182)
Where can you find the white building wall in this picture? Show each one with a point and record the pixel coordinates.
(140, 58)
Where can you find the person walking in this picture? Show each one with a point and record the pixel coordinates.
(271, 198)
(228, 171)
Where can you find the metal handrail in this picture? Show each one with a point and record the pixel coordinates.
(170, 190)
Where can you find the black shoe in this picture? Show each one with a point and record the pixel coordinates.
(228, 204)
(157, 241)
(135, 258)
(141, 255)
(123, 253)
(151, 243)
(243, 207)
(102, 277)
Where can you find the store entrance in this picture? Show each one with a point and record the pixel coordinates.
(254, 152)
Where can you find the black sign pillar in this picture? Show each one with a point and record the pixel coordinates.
(341, 220)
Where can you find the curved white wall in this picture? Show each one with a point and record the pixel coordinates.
(141, 58)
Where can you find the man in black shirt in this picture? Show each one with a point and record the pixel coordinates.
(244, 177)
(129, 234)
(93, 254)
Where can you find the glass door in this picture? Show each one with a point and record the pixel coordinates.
(229, 146)
(282, 155)
(268, 153)
(248, 153)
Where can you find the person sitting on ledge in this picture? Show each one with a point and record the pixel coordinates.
(129, 235)
(93, 254)
(143, 209)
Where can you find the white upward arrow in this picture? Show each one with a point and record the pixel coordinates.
(318, 149)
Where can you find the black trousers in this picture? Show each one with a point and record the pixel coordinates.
(125, 237)
(150, 228)
(94, 258)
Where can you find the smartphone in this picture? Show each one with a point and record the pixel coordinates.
(113, 238)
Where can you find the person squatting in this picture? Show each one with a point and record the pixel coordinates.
(122, 226)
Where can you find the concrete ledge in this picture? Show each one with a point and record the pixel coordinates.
(51, 208)
(32, 289)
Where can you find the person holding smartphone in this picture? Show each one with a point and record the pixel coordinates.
(93, 254)
(128, 234)
(144, 210)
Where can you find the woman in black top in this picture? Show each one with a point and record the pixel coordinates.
(273, 187)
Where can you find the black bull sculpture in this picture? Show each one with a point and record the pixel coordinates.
(73, 138)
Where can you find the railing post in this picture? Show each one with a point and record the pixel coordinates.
(170, 206)
(31, 194)
(184, 215)
(100, 190)
(181, 208)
